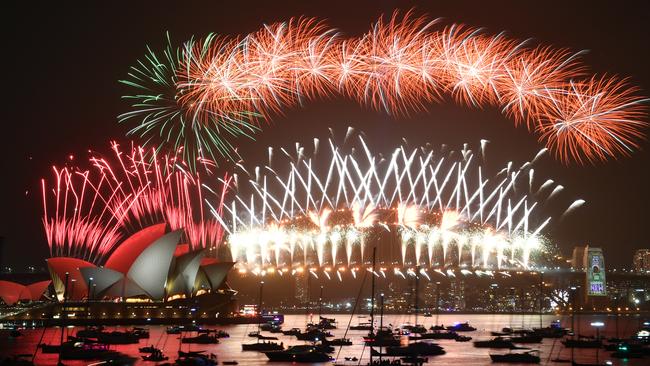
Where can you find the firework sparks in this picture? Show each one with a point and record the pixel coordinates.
(88, 212)
(432, 205)
(200, 95)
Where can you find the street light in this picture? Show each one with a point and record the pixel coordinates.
(597, 325)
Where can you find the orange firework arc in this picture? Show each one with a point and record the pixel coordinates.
(403, 64)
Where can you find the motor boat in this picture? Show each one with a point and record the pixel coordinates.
(141, 333)
(461, 338)
(437, 335)
(326, 323)
(461, 327)
(217, 332)
(173, 330)
(313, 335)
(89, 332)
(413, 349)
(339, 342)
(306, 354)
(525, 357)
(414, 328)
(148, 349)
(292, 332)
(437, 327)
(382, 338)
(156, 356)
(362, 326)
(117, 337)
(196, 360)
(497, 342)
(262, 346)
(201, 339)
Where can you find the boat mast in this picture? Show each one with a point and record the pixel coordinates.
(372, 299)
(259, 310)
(541, 297)
(65, 296)
(573, 310)
(320, 304)
(372, 292)
(437, 301)
(417, 288)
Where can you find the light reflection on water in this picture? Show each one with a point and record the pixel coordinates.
(457, 352)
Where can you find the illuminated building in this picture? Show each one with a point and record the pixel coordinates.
(641, 260)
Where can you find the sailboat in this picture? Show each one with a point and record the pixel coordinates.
(261, 346)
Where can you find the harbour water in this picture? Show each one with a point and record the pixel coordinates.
(457, 353)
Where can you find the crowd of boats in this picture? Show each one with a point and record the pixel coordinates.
(386, 345)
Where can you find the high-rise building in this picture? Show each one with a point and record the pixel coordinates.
(641, 260)
(302, 288)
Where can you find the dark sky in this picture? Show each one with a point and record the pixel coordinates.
(65, 60)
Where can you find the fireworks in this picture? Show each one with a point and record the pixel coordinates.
(416, 206)
(155, 106)
(90, 211)
(221, 87)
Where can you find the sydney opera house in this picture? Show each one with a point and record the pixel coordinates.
(151, 275)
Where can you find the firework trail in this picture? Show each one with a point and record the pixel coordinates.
(88, 212)
(208, 91)
(323, 210)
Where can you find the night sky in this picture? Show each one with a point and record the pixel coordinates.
(64, 96)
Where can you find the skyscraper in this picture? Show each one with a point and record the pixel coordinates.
(641, 260)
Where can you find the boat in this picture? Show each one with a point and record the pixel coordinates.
(258, 335)
(182, 354)
(552, 331)
(196, 360)
(221, 334)
(499, 334)
(437, 335)
(141, 333)
(156, 356)
(173, 330)
(313, 335)
(361, 326)
(78, 350)
(90, 332)
(414, 328)
(148, 349)
(298, 354)
(461, 338)
(230, 363)
(382, 338)
(414, 360)
(437, 327)
(271, 327)
(263, 346)
(413, 349)
(291, 332)
(324, 347)
(201, 339)
(497, 342)
(524, 357)
(461, 327)
(339, 342)
(117, 337)
(326, 323)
